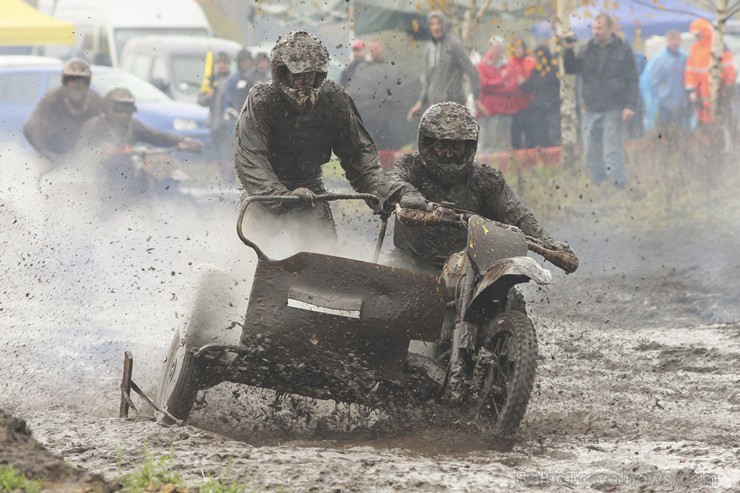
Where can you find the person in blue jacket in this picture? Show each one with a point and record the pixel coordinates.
(663, 89)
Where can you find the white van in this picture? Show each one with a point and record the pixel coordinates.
(103, 27)
(174, 63)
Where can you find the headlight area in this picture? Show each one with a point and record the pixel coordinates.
(181, 124)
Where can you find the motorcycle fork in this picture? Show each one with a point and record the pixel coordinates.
(464, 336)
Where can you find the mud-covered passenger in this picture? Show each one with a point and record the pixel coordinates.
(116, 128)
(444, 170)
(289, 128)
(55, 123)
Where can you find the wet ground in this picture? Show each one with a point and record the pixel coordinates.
(637, 387)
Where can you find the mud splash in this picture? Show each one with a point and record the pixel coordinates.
(637, 387)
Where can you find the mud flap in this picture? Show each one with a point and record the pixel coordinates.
(502, 276)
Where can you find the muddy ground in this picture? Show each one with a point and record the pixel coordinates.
(637, 388)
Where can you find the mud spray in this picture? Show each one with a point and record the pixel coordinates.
(636, 388)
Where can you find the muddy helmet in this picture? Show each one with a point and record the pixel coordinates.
(298, 52)
(76, 68)
(453, 122)
(120, 99)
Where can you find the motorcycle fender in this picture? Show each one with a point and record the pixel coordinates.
(508, 272)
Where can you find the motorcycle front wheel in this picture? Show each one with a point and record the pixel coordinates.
(505, 369)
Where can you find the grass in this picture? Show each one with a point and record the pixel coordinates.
(12, 481)
(667, 187)
(153, 472)
(156, 474)
(670, 184)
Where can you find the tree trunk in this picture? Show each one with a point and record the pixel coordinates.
(471, 23)
(715, 72)
(568, 117)
(469, 26)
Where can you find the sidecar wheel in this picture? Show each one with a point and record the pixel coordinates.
(180, 382)
(216, 305)
(509, 360)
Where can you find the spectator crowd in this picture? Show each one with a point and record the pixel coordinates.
(514, 90)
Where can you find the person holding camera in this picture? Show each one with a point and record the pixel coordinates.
(609, 86)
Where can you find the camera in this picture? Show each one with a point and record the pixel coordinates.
(570, 39)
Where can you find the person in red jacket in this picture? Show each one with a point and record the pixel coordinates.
(698, 67)
(496, 107)
(522, 63)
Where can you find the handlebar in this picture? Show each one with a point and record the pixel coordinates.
(459, 218)
(144, 150)
(327, 197)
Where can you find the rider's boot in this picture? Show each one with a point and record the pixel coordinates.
(461, 361)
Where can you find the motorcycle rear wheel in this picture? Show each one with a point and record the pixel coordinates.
(508, 361)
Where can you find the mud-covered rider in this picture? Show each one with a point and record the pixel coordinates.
(289, 128)
(115, 128)
(444, 170)
(54, 126)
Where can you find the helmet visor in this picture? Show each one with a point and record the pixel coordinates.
(448, 150)
(124, 107)
(76, 79)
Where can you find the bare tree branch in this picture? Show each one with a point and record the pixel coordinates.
(734, 9)
(482, 11)
(705, 4)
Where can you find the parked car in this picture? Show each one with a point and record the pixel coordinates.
(25, 79)
(175, 64)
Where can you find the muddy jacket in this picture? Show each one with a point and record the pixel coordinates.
(54, 126)
(280, 149)
(483, 190)
(98, 132)
(608, 74)
(446, 61)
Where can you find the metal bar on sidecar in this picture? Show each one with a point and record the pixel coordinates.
(290, 198)
(381, 238)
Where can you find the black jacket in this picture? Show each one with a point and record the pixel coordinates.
(545, 83)
(53, 128)
(614, 86)
(280, 149)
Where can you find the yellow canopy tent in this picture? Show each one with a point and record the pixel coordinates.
(23, 25)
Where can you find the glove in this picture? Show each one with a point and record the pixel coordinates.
(560, 247)
(191, 145)
(413, 200)
(306, 195)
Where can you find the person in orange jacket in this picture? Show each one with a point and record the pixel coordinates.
(698, 67)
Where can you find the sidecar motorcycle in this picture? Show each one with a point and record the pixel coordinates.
(334, 328)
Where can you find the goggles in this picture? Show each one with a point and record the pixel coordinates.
(124, 107)
(76, 78)
(456, 147)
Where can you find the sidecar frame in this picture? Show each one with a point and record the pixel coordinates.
(316, 325)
